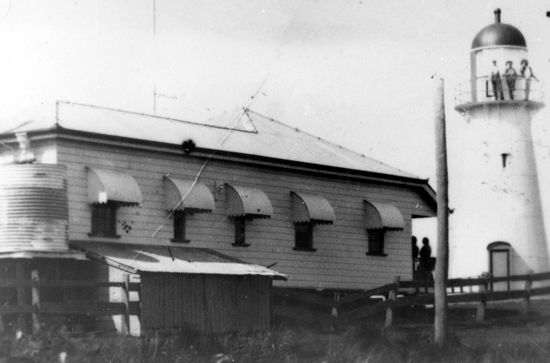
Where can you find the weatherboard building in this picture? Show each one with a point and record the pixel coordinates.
(206, 216)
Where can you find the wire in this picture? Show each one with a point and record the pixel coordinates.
(199, 173)
(6, 13)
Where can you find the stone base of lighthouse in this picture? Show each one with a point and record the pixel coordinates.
(497, 226)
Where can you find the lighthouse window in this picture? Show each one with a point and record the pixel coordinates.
(505, 159)
(104, 220)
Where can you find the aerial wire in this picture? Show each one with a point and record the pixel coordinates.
(235, 123)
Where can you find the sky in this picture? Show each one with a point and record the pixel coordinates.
(354, 72)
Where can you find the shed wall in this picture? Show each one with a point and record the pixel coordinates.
(208, 304)
(340, 260)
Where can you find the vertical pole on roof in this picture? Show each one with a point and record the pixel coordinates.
(155, 57)
(442, 183)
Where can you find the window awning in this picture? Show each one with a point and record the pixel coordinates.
(134, 258)
(311, 208)
(383, 215)
(112, 186)
(247, 201)
(182, 194)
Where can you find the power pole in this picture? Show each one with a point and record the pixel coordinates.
(442, 182)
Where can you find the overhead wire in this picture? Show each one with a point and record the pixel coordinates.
(236, 120)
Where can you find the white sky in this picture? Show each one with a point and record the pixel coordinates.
(354, 72)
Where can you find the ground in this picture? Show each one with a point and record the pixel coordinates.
(506, 336)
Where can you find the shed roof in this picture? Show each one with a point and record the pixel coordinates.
(247, 132)
(170, 259)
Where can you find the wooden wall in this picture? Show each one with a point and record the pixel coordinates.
(207, 304)
(340, 260)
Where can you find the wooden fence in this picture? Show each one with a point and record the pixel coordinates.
(330, 308)
(34, 309)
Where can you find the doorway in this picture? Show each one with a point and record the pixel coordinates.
(499, 264)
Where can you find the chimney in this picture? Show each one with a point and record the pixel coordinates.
(497, 16)
(25, 154)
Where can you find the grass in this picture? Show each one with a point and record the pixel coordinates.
(505, 337)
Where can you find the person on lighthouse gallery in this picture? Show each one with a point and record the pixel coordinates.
(510, 75)
(527, 73)
(496, 82)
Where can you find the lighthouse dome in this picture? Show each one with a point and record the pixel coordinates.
(499, 34)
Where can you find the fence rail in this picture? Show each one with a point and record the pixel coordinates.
(336, 307)
(30, 307)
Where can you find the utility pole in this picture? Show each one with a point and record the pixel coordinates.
(442, 182)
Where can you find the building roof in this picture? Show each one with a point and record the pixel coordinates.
(498, 34)
(170, 259)
(247, 132)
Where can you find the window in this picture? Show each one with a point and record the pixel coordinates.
(240, 233)
(303, 233)
(179, 226)
(505, 159)
(376, 242)
(104, 220)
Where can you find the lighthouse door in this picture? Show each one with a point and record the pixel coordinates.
(499, 264)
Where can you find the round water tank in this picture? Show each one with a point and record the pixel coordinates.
(33, 208)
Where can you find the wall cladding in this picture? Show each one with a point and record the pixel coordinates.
(340, 260)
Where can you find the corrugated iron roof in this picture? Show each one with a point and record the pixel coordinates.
(247, 133)
(189, 260)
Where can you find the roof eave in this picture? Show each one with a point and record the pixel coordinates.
(57, 130)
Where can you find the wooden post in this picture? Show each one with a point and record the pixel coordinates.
(441, 267)
(21, 293)
(125, 323)
(334, 310)
(392, 296)
(527, 297)
(481, 305)
(35, 296)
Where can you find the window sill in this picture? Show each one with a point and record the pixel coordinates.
(180, 240)
(240, 244)
(99, 235)
(307, 249)
(376, 254)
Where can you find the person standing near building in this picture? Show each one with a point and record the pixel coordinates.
(496, 82)
(415, 252)
(510, 75)
(527, 73)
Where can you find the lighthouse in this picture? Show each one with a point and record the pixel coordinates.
(497, 225)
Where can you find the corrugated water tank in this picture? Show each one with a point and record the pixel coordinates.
(33, 208)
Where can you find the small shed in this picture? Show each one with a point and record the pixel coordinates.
(192, 288)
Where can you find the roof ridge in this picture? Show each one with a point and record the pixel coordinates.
(154, 116)
(331, 143)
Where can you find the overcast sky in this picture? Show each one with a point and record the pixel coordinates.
(354, 72)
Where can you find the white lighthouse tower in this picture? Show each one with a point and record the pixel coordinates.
(497, 225)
